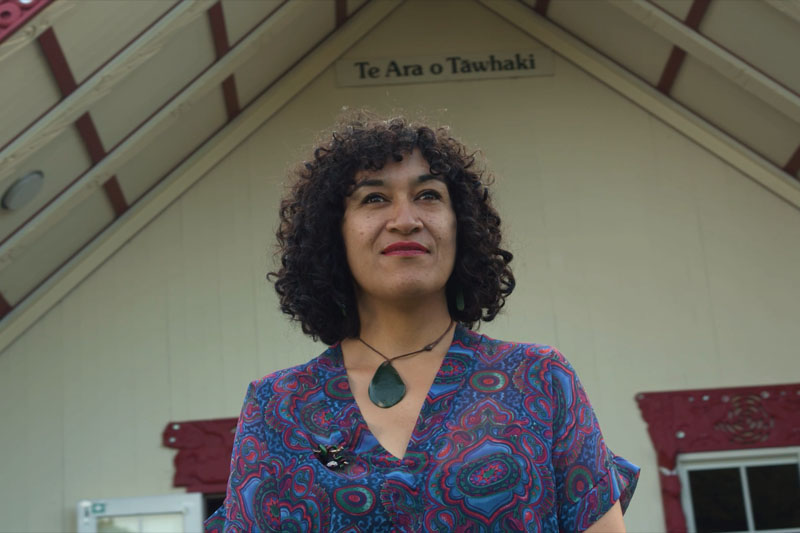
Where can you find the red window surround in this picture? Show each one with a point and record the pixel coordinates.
(704, 420)
(203, 461)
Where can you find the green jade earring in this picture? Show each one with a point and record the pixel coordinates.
(387, 387)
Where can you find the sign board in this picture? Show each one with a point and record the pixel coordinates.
(445, 67)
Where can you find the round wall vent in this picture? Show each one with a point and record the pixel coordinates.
(23, 190)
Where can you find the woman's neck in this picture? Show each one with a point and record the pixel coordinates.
(396, 329)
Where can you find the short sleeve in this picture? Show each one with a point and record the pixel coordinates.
(590, 479)
(249, 465)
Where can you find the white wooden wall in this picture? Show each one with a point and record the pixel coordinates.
(650, 263)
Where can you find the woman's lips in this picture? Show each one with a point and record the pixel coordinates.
(404, 248)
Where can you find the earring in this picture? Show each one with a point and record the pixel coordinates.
(341, 306)
(459, 299)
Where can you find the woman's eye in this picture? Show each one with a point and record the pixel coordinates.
(430, 195)
(372, 198)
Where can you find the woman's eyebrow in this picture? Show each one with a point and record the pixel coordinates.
(428, 177)
(376, 182)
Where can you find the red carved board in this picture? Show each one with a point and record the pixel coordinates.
(204, 449)
(15, 13)
(703, 420)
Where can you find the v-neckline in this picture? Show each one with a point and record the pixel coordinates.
(458, 337)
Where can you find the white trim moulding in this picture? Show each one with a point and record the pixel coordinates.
(700, 131)
(211, 79)
(191, 170)
(790, 8)
(713, 55)
(98, 85)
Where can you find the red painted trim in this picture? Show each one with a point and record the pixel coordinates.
(93, 144)
(792, 166)
(678, 55)
(289, 68)
(231, 97)
(115, 195)
(696, 13)
(90, 137)
(216, 19)
(79, 250)
(762, 73)
(14, 138)
(182, 161)
(629, 71)
(671, 70)
(268, 15)
(14, 15)
(541, 7)
(5, 307)
(156, 111)
(77, 178)
(702, 420)
(54, 55)
(90, 239)
(341, 12)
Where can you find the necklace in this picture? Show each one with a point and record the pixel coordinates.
(387, 387)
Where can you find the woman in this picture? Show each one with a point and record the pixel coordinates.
(410, 421)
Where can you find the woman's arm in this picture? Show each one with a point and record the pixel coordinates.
(249, 464)
(588, 474)
(611, 522)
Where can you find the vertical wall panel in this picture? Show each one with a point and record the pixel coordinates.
(14, 504)
(196, 357)
(752, 252)
(44, 428)
(99, 400)
(687, 340)
(141, 341)
(237, 276)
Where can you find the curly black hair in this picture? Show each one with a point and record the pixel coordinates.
(314, 282)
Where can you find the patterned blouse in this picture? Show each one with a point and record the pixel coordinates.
(506, 441)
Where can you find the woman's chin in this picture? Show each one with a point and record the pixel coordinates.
(412, 292)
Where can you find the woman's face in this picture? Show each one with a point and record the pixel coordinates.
(399, 231)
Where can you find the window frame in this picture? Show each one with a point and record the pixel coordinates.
(739, 459)
(187, 504)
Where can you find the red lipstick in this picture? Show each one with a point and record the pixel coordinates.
(405, 248)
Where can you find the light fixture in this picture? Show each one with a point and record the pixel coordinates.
(23, 190)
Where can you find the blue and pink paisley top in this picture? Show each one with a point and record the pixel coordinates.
(506, 441)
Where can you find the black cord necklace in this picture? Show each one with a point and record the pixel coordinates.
(387, 387)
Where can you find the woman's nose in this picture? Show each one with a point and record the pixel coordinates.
(405, 218)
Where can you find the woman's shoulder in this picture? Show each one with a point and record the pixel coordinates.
(533, 368)
(491, 349)
(299, 376)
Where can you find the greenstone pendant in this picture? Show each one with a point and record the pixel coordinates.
(386, 387)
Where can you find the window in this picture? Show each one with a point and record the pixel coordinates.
(741, 490)
(212, 502)
(170, 513)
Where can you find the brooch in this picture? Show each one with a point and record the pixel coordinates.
(331, 457)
